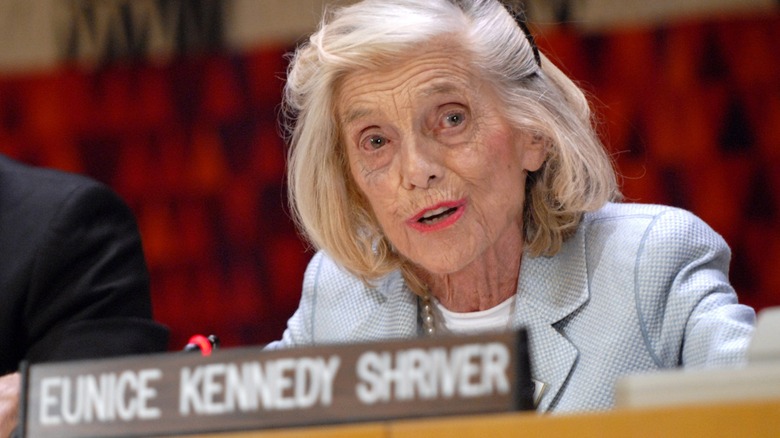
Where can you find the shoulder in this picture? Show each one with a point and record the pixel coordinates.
(23, 179)
(667, 257)
(646, 248)
(618, 212)
(39, 198)
(651, 225)
(49, 217)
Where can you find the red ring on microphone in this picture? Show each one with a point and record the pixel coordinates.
(203, 344)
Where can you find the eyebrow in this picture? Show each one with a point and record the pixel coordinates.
(440, 88)
(356, 113)
(436, 88)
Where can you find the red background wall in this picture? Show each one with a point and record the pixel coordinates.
(691, 113)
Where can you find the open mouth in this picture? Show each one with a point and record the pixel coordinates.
(437, 215)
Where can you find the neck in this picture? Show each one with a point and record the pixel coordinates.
(485, 283)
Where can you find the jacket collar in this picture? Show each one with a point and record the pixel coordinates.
(549, 290)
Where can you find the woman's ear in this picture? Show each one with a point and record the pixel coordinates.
(534, 150)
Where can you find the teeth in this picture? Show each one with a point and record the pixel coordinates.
(436, 212)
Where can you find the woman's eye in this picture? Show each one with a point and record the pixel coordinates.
(452, 120)
(374, 142)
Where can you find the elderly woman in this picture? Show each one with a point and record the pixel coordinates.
(451, 180)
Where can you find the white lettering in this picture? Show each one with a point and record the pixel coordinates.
(49, 400)
(88, 398)
(69, 403)
(446, 370)
(213, 388)
(95, 398)
(281, 384)
(279, 372)
(146, 393)
(467, 385)
(236, 391)
(125, 405)
(495, 364)
(259, 386)
(329, 371)
(188, 390)
(468, 371)
(306, 388)
(371, 388)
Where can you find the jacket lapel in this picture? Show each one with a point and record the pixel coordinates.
(549, 290)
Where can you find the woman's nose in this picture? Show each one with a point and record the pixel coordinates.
(420, 165)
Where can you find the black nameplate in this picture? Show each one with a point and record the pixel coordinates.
(250, 388)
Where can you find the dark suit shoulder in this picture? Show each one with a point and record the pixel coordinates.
(31, 198)
(29, 187)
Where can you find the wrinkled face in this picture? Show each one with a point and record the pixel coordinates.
(442, 169)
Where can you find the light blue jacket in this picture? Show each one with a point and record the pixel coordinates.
(637, 288)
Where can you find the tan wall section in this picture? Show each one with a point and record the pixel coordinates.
(33, 32)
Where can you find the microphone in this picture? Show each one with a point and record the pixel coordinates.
(203, 344)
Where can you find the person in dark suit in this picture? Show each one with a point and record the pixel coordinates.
(73, 279)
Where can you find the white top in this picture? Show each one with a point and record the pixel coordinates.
(493, 319)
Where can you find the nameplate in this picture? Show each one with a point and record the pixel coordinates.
(250, 388)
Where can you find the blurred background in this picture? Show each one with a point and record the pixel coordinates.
(174, 104)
